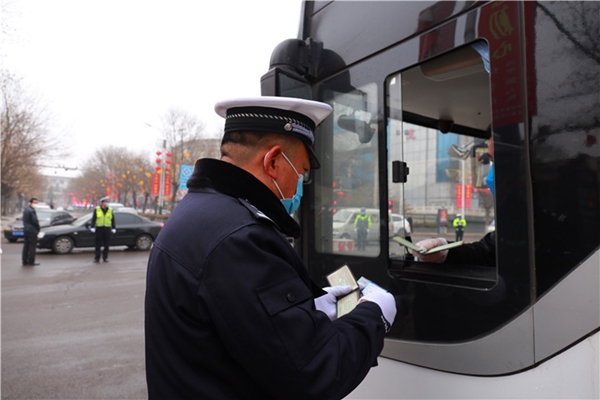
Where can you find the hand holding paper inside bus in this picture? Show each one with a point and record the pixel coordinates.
(422, 249)
(363, 288)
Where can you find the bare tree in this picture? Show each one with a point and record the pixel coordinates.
(26, 142)
(115, 172)
(185, 138)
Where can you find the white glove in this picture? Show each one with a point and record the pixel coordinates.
(113, 230)
(93, 230)
(328, 302)
(427, 244)
(386, 302)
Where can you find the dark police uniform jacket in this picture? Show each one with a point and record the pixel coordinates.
(229, 309)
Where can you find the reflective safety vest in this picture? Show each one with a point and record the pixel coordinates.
(459, 223)
(362, 221)
(103, 220)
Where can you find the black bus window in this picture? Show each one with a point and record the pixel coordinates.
(346, 184)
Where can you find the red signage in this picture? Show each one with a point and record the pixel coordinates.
(168, 184)
(155, 184)
(443, 216)
(468, 195)
(499, 23)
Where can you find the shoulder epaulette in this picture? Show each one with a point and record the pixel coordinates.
(259, 215)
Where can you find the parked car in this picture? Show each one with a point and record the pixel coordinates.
(400, 225)
(115, 206)
(127, 209)
(133, 230)
(46, 217)
(343, 223)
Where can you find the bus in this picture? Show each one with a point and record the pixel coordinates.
(419, 91)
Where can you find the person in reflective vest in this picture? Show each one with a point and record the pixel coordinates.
(103, 225)
(362, 226)
(459, 225)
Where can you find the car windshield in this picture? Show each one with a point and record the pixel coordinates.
(43, 216)
(82, 220)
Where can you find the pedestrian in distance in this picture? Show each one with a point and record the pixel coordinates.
(230, 309)
(103, 225)
(31, 229)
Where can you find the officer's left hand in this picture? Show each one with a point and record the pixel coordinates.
(113, 230)
(328, 302)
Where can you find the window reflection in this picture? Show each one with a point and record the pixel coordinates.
(347, 192)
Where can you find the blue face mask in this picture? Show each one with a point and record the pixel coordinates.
(291, 205)
(489, 180)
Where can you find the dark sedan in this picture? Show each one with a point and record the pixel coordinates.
(46, 218)
(133, 230)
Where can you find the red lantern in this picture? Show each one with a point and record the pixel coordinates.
(158, 152)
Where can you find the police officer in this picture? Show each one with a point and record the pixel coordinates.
(459, 225)
(31, 228)
(230, 310)
(362, 226)
(103, 224)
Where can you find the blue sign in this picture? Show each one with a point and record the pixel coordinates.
(184, 175)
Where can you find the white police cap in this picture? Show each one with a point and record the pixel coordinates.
(285, 115)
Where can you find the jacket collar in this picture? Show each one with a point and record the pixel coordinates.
(233, 181)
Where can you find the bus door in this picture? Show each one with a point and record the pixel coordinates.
(408, 141)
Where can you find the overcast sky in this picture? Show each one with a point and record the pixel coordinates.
(106, 69)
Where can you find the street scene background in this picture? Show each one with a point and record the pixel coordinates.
(72, 329)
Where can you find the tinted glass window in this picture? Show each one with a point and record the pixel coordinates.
(348, 178)
(126, 219)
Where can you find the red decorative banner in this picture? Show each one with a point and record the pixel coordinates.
(168, 184)
(499, 23)
(155, 184)
(468, 195)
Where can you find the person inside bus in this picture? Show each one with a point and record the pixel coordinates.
(230, 310)
(482, 252)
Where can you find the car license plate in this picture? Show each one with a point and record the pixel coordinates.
(17, 233)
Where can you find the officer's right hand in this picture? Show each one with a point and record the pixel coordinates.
(93, 230)
(385, 301)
